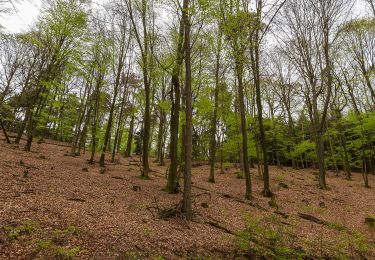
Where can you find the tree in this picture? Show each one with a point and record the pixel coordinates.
(144, 47)
(122, 44)
(188, 113)
(237, 30)
(216, 105)
(309, 26)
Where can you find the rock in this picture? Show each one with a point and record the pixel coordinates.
(283, 185)
(136, 188)
(322, 204)
(85, 169)
(370, 221)
(204, 205)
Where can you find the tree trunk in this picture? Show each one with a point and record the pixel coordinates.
(130, 138)
(187, 207)
(254, 54)
(214, 116)
(239, 71)
(175, 95)
(320, 155)
(4, 131)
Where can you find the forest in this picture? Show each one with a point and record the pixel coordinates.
(188, 129)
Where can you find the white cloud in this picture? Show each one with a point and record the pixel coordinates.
(19, 21)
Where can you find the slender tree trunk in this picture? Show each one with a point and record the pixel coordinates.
(214, 116)
(30, 131)
(254, 54)
(187, 207)
(21, 130)
(320, 154)
(239, 70)
(175, 95)
(83, 134)
(4, 131)
(107, 135)
(130, 138)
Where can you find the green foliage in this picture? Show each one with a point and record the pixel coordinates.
(269, 238)
(26, 228)
(69, 230)
(304, 147)
(60, 252)
(51, 247)
(240, 175)
(131, 255)
(345, 245)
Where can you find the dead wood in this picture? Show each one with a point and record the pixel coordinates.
(118, 178)
(320, 221)
(219, 226)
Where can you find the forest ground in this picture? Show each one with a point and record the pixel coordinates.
(53, 205)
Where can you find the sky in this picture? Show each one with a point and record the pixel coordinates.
(28, 11)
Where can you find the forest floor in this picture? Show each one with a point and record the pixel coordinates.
(57, 206)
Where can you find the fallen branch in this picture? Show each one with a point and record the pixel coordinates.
(320, 221)
(118, 178)
(247, 202)
(219, 226)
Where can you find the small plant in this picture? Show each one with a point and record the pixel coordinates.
(69, 230)
(280, 178)
(67, 253)
(147, 232)
(240, 175)
(50, 248)
(268, 238)
(227, 165)
(28, 227)
(352, 245)
(131, 255)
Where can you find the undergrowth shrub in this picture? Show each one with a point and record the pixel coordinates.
(269, 238)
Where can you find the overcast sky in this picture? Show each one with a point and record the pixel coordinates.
(28, 11)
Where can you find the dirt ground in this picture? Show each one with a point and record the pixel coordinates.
(50, 202)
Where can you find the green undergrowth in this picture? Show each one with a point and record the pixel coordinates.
(52, 244)
(55, 243)
(14, 232)
(270, 237)
(267, 237)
